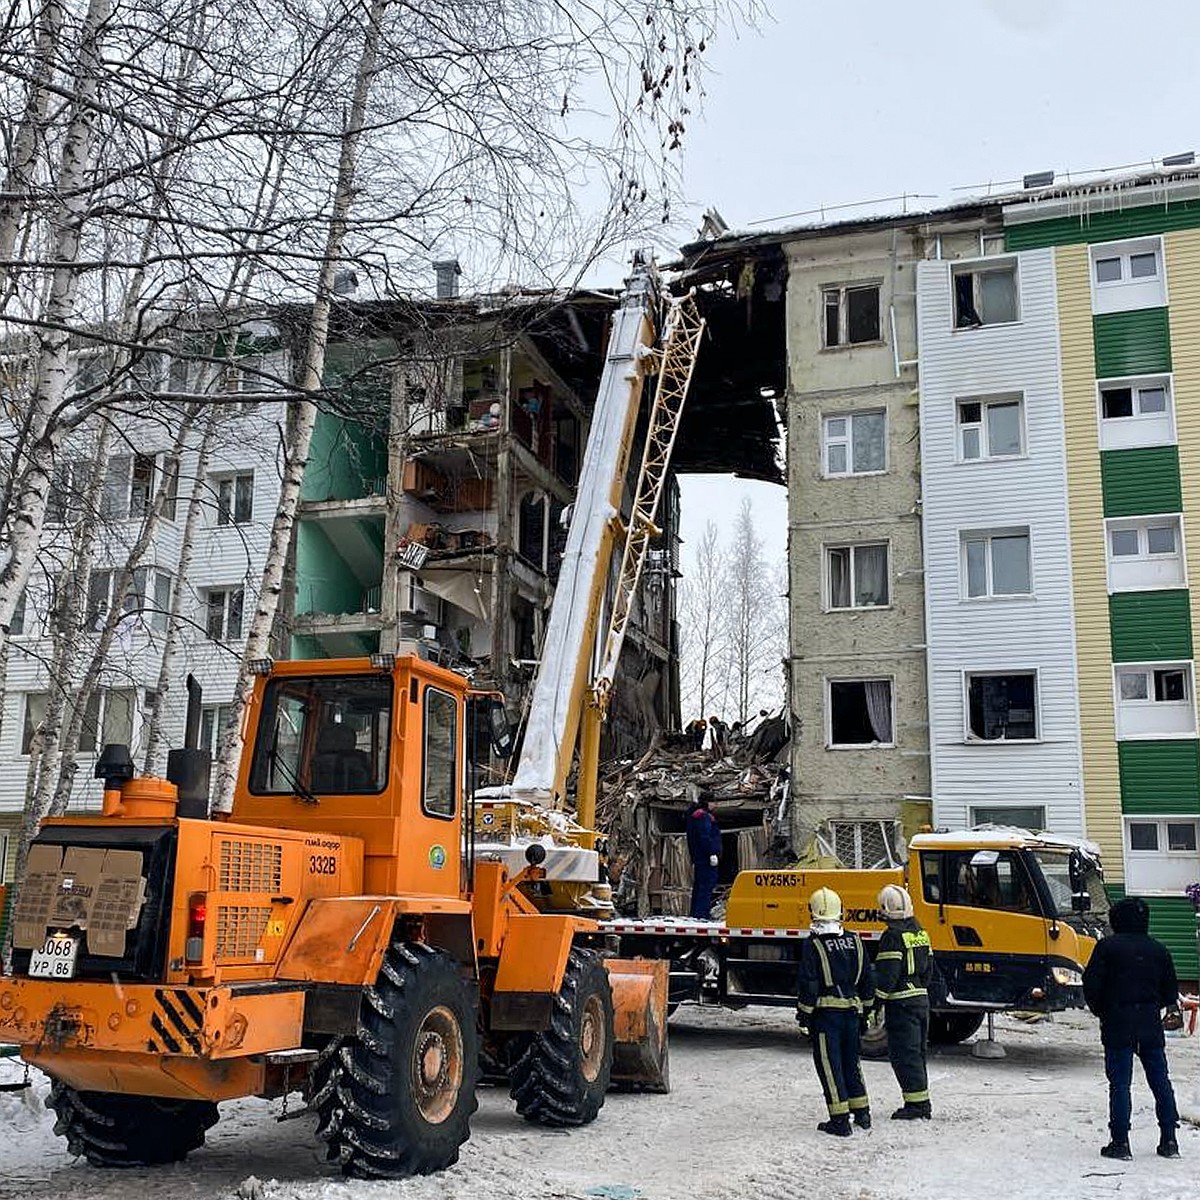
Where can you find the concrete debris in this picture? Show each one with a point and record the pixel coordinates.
(643, 806)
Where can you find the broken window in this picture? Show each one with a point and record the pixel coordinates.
(989, 427)
(1136, 413)
(1002, 708)
(531, 528)
(1155, 701)
(996, 563)
(860, 712)
(858, 576)
(855, 443)
(98, 598)
(850, 315)
(985, 295)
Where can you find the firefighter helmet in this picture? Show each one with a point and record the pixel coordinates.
(825, 905)
(895, 903)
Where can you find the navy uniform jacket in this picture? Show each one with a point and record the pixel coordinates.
(904, 962)
(835, 973)
(703, 835)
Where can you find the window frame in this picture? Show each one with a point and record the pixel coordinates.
(1154, 863)
(1136, 384)
(987, 535)
(225, 590)
(1142, 524)
(976, 811)
(1150, 671)
(841, 291)
(456, 774)
(990, 264)
(986, 402)
(227, 514)
(1107, 295)
(848, 441)
(828, 549)
(973, 739)
(830, 744)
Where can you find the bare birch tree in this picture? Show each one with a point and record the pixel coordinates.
(704, 647)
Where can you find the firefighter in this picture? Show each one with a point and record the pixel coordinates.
(902, 970)
(836, 989)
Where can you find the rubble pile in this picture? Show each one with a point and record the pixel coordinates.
(643, 804)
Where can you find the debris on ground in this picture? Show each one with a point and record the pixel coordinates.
(643, 804)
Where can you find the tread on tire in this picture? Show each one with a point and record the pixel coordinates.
(396, 1099)
(559, 1076)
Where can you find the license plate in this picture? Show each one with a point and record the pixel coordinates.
(56, 959)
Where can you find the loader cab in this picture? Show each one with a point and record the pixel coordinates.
(367, 748)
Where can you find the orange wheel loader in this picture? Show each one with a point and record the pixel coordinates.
(333, 935)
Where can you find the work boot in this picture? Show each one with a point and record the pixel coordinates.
(1168, 1147)
(921, 1111)
(836, 1126)
(862, 1118)
(1117, 1149)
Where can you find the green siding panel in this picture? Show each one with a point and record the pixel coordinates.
(1143, 221)
(1150, 626)
(1145, 480)
(1160, 777)
(1132, 343)
(1173, 922)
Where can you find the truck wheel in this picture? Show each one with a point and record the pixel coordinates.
(396, 1098)
(114, 1130)
(559, 1076)
(950, 1028)
(874, 1041)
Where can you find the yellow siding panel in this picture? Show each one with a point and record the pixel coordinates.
(1183, 281)
(1101, 781)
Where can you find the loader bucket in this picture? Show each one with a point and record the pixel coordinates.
(639, 987)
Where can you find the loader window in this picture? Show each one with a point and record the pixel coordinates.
(439, 796)
(1002, 884)
(324, 735)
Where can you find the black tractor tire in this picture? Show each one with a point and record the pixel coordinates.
(560, 1075)
(111, 1129)
(396, 1098)
(950, 1028)
(874, 1042)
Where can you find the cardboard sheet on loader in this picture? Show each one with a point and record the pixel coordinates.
(99, 891)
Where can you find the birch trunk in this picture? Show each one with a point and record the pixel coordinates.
(304, 413)
(46, 429)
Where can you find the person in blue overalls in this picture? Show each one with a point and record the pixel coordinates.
(704, 849)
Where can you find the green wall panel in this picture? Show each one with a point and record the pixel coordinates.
(1160, 776)
(1145, 480)
(1150, 626)
(1142, 221)
(345, 461)
(1132, 343)
(324, 583)
(1173, 922)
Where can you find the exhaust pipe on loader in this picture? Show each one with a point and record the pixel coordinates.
(640, 1056)
(189, 769)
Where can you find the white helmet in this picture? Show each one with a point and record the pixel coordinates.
(895, 903)
(825, 905)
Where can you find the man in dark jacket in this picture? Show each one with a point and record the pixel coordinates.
(704, 849)
(902, 970)
(1129, 980)
(836, 988)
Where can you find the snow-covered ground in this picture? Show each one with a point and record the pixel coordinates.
(740, 1123)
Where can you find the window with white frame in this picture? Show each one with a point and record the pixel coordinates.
(1001, 707)
(223, 613)
(1136, 412)
(857, 576)
(1155, 700)
(1019, 816)
(990, 427)
(1128, 275)
(235, 498)
(16, 623)
(68, 488)
(855, 443)
(850, 315)
(1161, 854)
(215, 721)
(859, 712)
(1145, 553)
(985, 293)
(995, 562)
(108, 717)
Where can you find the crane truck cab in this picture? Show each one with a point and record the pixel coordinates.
(334, 934)
(1012, 918)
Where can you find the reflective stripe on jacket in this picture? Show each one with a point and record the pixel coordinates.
(904, 962)
(835, 973)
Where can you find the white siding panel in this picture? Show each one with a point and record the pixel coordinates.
(1034, 633)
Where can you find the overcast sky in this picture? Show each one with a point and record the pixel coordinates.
(832, 104)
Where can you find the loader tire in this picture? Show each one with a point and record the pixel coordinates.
(559, 1076)
(110, 1129)
(396, 1098)
(950, 1028)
